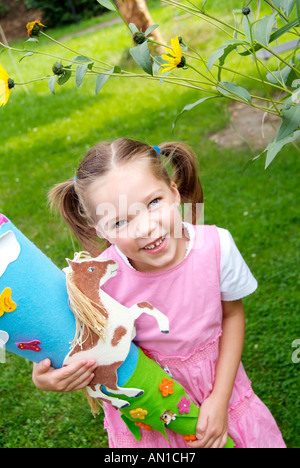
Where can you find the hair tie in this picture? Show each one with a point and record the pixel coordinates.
(74, 181)
(157, 149)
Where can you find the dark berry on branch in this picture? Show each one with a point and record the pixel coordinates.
(246, 11)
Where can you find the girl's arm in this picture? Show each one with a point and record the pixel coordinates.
(212, 423)
(72, 377)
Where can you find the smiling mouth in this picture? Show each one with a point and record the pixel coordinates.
(155, 244)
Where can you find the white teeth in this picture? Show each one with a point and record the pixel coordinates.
(149, 247)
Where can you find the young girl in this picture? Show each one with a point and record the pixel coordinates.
(124, 194)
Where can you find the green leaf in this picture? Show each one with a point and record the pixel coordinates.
(287, 103)
(221, 53)
(282, 75)
(81, 59)
(286, 6)
(247, 28)
(276, 146)
(290, 122)
(108, 4)
(275, 35)
(101, 80)
(133, 28)
(231, 89)
(157, 62)
(191, 106)
(151, 29)
(141, 55)
(32, 39)
(51, 84)
(79, 73)
(296, 95)
(26, 55)
(65, 76)
(298, 10)
(264, 29)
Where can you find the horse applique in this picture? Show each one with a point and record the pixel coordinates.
(111, 350)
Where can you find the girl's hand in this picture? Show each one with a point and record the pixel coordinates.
(72, 377)
(212, 425)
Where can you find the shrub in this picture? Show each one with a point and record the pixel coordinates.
(4, 9)
(60, 12)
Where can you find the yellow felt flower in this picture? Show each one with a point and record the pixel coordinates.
(174, 58)
(6, 85)
(138, 413)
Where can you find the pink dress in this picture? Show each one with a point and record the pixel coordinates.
(189, 294)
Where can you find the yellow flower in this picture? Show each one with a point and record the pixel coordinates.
(6, 85)
(138, 413)
(34, 28)
(174, 58)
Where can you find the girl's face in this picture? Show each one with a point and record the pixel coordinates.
(139, 214)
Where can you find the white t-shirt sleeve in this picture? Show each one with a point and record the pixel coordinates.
(236, 280)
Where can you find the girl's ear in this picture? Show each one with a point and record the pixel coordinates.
(176, 194)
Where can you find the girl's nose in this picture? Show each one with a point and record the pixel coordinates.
(146, 224)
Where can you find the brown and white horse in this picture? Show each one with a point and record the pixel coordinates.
(110, 350)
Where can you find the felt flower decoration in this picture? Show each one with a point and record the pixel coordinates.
(166, 387)
(174, 58)
(6, 85)
(6, 302)
(189, 438)
(138, 413)
(184, 405)
(144, 426)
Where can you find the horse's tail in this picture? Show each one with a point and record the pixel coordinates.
(94, 403)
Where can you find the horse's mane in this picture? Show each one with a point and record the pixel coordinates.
(87, 312)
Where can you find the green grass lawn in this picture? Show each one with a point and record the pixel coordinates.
(43, 137)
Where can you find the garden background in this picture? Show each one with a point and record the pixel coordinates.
(43, 138)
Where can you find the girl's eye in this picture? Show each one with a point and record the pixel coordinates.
(120, 223)
(154, 202)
